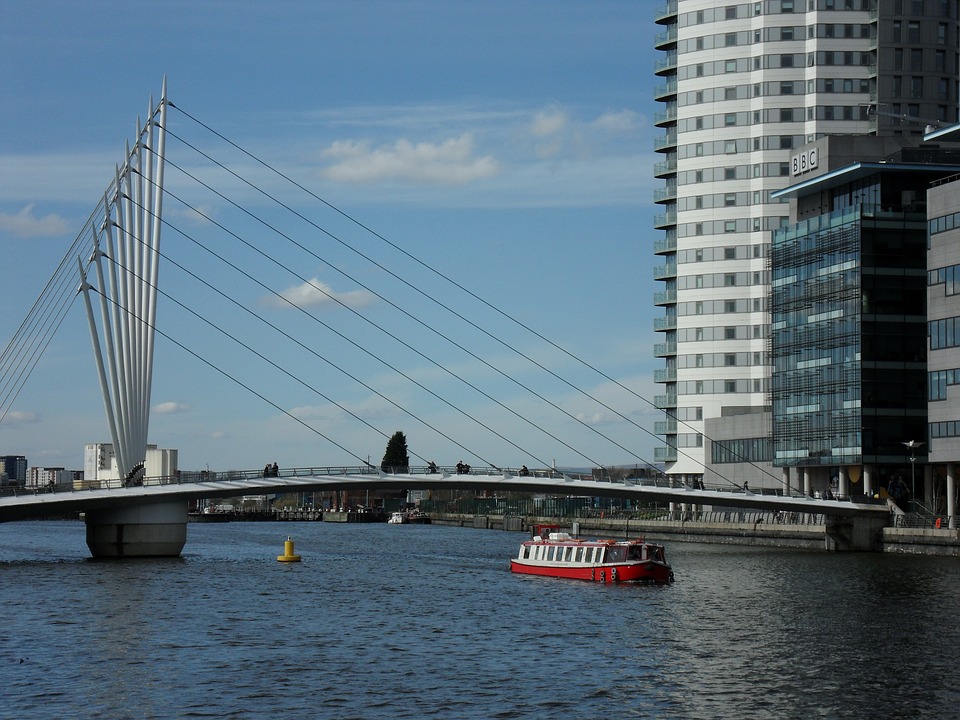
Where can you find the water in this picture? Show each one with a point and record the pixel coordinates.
(407, 621)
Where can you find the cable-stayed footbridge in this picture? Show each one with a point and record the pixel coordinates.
(141, 509)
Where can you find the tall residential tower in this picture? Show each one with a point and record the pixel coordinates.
(744, 86)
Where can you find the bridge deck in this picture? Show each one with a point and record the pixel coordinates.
(30, 503)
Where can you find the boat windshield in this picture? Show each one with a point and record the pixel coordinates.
(615, 554)
(635, 552)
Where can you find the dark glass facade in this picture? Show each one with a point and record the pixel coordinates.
(848, 340)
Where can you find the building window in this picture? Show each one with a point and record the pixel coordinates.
(730, 147)
(730, 360)
(729, 253)
(913, 32)
(730, 173)
(730, 119)
(730, 386)
(729, 333)
(730, 93)
(786, 61)
(730, 226)
(730, 280)
(731, 12)
(730, 66)
(730, 306)
(730, 39)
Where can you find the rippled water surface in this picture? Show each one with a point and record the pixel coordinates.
(386, 621)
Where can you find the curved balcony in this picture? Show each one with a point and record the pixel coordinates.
(664, 220)
(665, 142)
(665, 272)
(665, 246)
(665, 194)
(665, 427)
(665, 454)
(665, 91)
(665, 297)
(666, 40)
(665, 375)
(667, 349)
(664, 323)
(666, 64)
(665, 168)
(665, 117)
(666, 13)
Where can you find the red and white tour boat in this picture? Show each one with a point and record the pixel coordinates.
(558, 554)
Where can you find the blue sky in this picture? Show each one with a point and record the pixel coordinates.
(505, 144)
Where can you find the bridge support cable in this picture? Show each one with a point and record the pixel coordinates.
(313, 352)
(431, 298)
(38, 328)
(217, 328)
(333, 298)
(249, 389)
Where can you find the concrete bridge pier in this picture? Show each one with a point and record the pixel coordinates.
(152, 530)
(861, 533)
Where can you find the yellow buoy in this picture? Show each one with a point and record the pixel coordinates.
(288, 555)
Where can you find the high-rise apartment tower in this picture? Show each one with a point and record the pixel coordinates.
(744, 86)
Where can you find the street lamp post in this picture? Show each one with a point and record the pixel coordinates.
(912, 445)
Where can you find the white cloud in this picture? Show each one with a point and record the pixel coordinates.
(16, 417)
(168, 408)
(317, 294)
(622, 121)
(549, 122)
(26, 224)
(451, 162)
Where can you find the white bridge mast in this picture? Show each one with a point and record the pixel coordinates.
(128, 242)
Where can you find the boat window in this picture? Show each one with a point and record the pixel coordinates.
(589, 557)
(550, 552)
(579, 555)
(616, 554)
(635, 552)
(568, 554)
(525, 551)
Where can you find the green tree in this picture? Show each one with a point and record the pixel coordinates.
(395, 458)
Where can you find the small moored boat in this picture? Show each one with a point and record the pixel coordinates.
(558, 554)
(410, 517)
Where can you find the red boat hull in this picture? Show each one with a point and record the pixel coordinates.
(641, 572)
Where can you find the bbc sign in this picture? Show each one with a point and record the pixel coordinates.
(804, 162)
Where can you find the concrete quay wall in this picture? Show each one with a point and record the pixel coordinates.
(761, 534)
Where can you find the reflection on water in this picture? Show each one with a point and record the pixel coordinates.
(414, 621)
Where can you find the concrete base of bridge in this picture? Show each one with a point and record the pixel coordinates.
(859, 533)
(154, 530)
